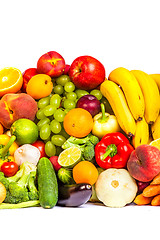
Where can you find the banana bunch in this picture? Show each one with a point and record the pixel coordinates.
(135, 99)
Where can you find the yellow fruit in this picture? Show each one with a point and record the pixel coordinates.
(155, 143)
(11, 80)
(155, 128)
(151, 95)
(117, 100)
(69, 157)
(142, 133)
(131, 89)
(39, 86)
(156, 78)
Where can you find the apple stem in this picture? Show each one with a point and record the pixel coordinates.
(4, 150)
(111, 151)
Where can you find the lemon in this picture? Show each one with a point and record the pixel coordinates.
(25, 130)
(155, 143)
(69, 157)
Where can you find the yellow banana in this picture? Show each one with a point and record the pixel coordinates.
(151, 95)
(156, 78)
(131, 89)
(117, 100)
(142, 133)
(155, 128)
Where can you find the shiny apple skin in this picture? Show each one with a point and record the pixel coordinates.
(87, 72)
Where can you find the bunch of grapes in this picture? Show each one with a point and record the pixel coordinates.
(52, 110)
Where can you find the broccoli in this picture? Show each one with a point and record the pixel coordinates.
(86, 145)
(21, 187)
(33, 192)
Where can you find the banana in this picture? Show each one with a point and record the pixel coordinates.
(117, 100)
(156, 78)
(142, 133)
(131, 89)
(151, 95)
(155, 128)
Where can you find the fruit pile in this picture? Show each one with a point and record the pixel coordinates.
(69, 135)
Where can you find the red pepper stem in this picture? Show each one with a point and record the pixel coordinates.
(111, 151)
(4, 150)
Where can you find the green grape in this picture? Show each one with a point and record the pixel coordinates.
(66, 110)
(58, 140)
(62, 80)
(42, 122)
(97, 93)
(55, 126)
(70, 104)
(45, 131)
(81, 93)
(64, 134)
(50, 149)
(71, 96)
(69, 87)
(43, 102)
(55, 100)
(49, 110)
(58, 89)
(59, 115)
(58, 150)
(40, 114)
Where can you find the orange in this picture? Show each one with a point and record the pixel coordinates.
(78, 122)
(1, 129)
(11, 80)
(85, 172)
(39, 86)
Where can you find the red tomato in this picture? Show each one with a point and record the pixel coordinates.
(41, 147)
(54, 161)
(9, 168)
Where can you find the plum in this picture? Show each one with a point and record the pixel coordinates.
(89, 103)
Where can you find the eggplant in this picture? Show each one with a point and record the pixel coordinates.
(74, 195)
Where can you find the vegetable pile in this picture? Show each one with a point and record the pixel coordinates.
(69, 135)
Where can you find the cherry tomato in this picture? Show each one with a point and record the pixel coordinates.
(41, 146)
(9, 168)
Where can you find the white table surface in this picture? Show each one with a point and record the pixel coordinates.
(90, 221)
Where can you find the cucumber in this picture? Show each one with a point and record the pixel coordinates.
(47, 183)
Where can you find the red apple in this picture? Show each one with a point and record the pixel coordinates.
(27, 75)
(51, 63)
(66, 70)
(144, 163)
(87, 72)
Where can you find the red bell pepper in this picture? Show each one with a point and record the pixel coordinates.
(113, 151)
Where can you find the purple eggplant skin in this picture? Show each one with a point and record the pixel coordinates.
(74, 195)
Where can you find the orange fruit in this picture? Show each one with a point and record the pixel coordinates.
(85, 172)
(39, 86)
(11, 80)
(1, 129)
(78, 122)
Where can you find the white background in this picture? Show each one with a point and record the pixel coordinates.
(118, 33)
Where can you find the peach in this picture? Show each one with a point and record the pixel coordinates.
(51, 63)
(16, 106)
(144, 163)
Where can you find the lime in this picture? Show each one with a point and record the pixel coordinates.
(25, 130)
(69, 157)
